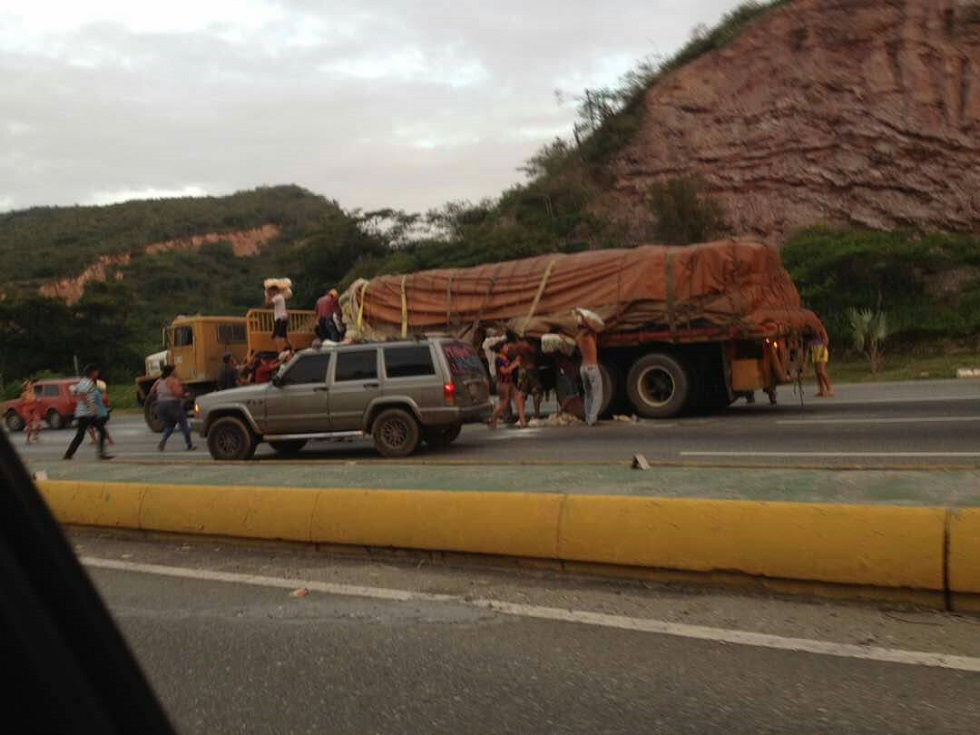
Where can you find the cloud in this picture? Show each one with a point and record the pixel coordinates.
(406, 104)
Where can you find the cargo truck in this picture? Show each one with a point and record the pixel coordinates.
(196, 345)
(686, 327)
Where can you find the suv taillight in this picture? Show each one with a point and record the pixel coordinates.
(449, 393)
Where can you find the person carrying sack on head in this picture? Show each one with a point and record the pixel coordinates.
(586, 338)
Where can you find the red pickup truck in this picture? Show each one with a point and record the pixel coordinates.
(56, 404)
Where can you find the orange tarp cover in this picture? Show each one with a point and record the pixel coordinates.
(735, 284)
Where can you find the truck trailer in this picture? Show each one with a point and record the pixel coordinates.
(686, 327)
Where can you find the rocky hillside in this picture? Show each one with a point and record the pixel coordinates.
(842, 112)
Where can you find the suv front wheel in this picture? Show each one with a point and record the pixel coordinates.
(230, 438)
(396, 433)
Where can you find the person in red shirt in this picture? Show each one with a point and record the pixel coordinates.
(329, 318)
(265, 369)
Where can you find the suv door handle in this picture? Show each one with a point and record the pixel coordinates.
(322, 389)
(372, 385)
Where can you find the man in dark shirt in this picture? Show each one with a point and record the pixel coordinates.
(229, 372)
(328, 316)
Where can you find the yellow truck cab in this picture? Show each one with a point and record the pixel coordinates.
(196, 345)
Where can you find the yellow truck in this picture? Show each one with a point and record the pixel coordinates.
(195, 346)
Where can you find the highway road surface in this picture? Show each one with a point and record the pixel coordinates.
(238, 639)
(914, 424)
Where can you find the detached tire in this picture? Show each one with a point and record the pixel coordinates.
(151, 415)
(288, 446)
(55, 420)
(396, 433)
(658, 386)
(13, 421)
(230, 438)
(442, 437)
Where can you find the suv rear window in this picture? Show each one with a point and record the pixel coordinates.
(409, 361)
(462, 358)
(357, 365)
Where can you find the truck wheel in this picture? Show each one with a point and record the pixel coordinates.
(55, 420)
(151, 415)
(229, 438)
(612, 382)
(442, 437)
(13, 421)
(288, 446)
(658, 386)
(396, 433)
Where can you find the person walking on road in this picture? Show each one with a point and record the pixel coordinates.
(588, 345)
(170, 394)
(506, 390)
(93, 435)
(820, 354)
(90, 410)
(32, 412)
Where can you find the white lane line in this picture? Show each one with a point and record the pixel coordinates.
(581, 617)
(903, 420)
(854, 400)
(948, 455)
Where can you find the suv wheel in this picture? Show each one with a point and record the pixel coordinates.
(441, 437)
(55, 420)
(229, 438)
(396, 433)
(13, 421)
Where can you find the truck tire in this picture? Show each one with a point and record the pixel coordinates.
(658, 386)
(230, 438)
(288, 446)
(13, 421)
(55, 420)
(150, 414)
(612, 382)
(442, 437)
(396, 433)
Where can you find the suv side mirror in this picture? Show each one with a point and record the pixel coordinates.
(277, 381)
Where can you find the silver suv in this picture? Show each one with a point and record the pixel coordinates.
(399, 393)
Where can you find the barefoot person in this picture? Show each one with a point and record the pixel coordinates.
(275, 298)
(32, 412)
(820, 354)
(587, 341)
(506, 390)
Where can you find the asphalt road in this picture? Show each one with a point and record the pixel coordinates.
(914, 424)
(230, 646)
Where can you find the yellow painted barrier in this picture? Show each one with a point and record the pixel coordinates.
(964, 551)
(873, 546)
(511, 524)
(94, 503)
(248, 512)
(846, 544)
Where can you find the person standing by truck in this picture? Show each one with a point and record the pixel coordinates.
(588, 345)
(328, 317)
(170, 395)
(89, 411)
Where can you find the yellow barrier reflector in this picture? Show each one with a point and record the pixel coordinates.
(250, 512)
(513, 524)
(964, 550)
(844, 544)
(93, 503)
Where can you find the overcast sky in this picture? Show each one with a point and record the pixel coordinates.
(377, 103)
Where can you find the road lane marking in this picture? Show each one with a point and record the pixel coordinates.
(581, 617)
(948, 455)
(903, 420)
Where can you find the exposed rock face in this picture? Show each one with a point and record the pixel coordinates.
(245, 243)
(853, 112)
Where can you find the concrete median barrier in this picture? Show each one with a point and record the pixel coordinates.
(869, 546)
